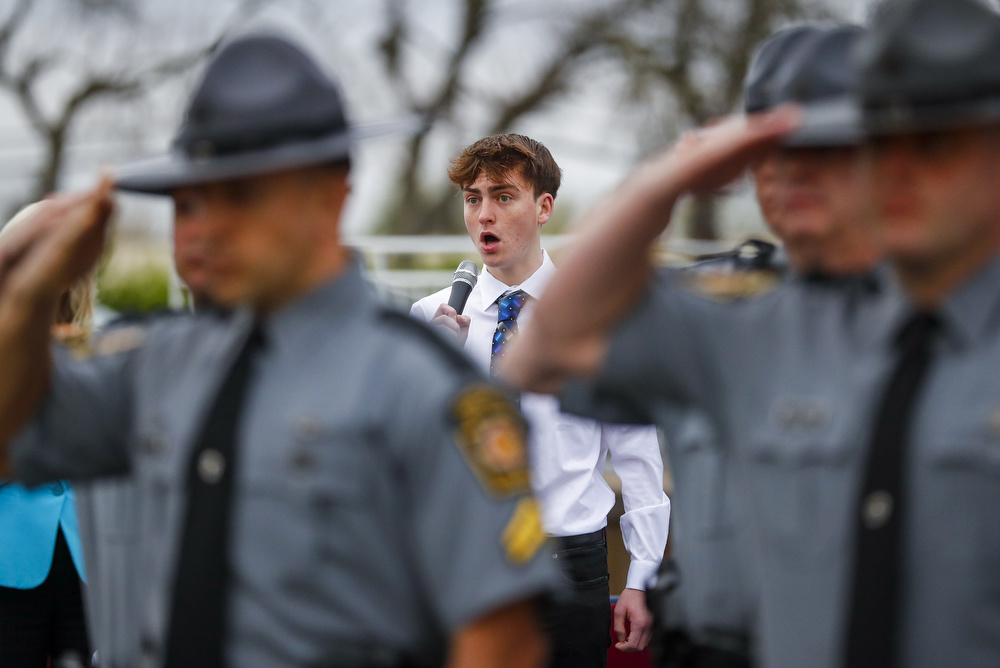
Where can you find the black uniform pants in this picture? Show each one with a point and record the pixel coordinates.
(676, 649)
(46, 621)
(579, 623)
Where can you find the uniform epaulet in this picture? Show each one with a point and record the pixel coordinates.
(121, 334)
(422, 331)
(133, 318)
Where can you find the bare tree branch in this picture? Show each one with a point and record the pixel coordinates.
(124, 81)
(12, 24)
(423, 210)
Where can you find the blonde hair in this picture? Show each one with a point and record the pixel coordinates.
(77, 306)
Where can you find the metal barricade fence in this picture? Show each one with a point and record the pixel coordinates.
(402, 287)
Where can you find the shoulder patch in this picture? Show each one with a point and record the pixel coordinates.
(493, 436)
(729, 286)
(749, 270)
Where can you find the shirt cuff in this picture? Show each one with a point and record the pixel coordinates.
(644, 532)
(640, 573)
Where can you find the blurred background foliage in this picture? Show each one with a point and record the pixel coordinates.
(137, 280)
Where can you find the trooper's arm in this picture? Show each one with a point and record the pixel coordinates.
(509, 636)
(38, 260)
(608, 269)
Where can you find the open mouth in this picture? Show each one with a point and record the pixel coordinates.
(488, 241)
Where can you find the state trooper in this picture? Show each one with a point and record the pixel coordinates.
(322, 481)
(810, 197)
(864, 425)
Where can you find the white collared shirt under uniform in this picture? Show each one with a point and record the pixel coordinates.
(568, 452)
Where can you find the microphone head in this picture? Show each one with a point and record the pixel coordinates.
(467, 272)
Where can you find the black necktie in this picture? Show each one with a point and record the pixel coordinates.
(197, 630)
(509, 308)
(873, 622)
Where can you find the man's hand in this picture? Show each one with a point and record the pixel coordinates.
(448, 320)
(59, 243)
(605, 273)
(716, 154)
(39, 259)
(631, 606)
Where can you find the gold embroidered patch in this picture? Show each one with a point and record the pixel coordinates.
(493, 436)
(523, 534)
(728, 286)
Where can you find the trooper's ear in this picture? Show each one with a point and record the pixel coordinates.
(331, 183)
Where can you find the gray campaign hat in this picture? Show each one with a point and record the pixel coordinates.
(930, 65)
(822, 79)
(262, 105)
(770, 56)
(810, 65)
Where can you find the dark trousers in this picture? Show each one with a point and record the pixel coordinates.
(46, 621)
(579, 622)
(676, 649)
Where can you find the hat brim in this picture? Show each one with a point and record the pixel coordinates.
(893, 120)
(162, 175)
(828, 124)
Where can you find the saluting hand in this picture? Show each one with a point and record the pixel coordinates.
(714, 155)
(59, 243)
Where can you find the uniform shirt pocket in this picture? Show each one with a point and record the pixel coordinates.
(798, 475)
(308, 495)
(974, 449)
(959, 477)
(159, 469)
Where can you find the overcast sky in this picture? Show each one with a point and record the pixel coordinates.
(589, 131)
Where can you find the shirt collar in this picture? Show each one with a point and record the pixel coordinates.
(345, 294)
(972, 312)
(879, 314)
(490, 288)
(969, 315)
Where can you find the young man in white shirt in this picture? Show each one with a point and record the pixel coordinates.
(509, 184)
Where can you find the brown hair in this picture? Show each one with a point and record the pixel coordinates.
(500, 155)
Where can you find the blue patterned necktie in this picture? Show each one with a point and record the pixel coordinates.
(510, 307)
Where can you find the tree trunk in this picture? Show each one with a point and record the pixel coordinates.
(702, 223)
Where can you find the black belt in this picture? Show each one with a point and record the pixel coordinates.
(583, 540)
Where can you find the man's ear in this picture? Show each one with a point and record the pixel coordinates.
(337, 187)
(544, 205)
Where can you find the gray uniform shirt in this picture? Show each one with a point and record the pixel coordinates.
(792, 381)
(716, 590)
(358, 525)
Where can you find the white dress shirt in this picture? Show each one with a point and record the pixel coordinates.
(568, 452)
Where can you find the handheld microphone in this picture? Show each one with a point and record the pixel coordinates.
(465, 279)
